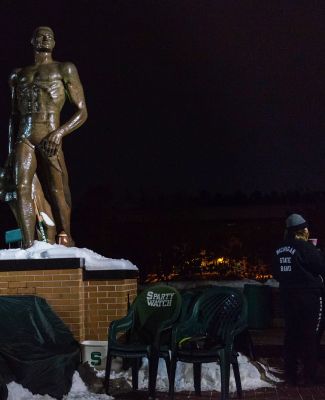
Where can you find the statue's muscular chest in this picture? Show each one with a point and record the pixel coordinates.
(37, 85)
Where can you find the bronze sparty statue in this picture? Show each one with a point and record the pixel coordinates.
(38, 93)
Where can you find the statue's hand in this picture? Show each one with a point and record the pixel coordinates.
(51, 143)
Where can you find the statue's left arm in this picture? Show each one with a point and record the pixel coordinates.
(76, 96)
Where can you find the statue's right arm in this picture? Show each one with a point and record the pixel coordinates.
(13, 119)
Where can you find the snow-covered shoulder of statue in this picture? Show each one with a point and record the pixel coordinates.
(43, 250)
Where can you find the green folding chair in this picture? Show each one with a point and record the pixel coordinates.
(146, 331)
(207, 335)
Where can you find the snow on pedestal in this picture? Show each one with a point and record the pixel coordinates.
(43, 250)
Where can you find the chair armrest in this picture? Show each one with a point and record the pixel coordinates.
(238, 329)
(165, 326)
(241, 324)
(120, 325)
(188, 328)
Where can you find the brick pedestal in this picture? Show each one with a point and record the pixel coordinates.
(87, 301)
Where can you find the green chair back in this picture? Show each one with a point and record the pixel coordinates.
(226, 312)
(219, 313)
(189, 297)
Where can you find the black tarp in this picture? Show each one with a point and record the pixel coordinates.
(37, 349)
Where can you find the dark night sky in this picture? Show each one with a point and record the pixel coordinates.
(185, 95)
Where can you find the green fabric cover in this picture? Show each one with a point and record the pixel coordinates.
(153, 306)
(37, 349)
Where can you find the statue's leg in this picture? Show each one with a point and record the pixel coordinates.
(24, 170)
(58, 192)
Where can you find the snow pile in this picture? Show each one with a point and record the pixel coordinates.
(43, 250)
(78, 391)
(250, 376)
(272, 283)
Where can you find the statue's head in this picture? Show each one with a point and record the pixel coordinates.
(43, 39)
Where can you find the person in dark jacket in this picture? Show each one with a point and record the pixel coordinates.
(299, 267)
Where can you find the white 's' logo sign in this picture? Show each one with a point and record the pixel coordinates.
(159, 299)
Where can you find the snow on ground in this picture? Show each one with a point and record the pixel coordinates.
(250, 379)
(249, 374)
(93, 261)
(78, 391)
